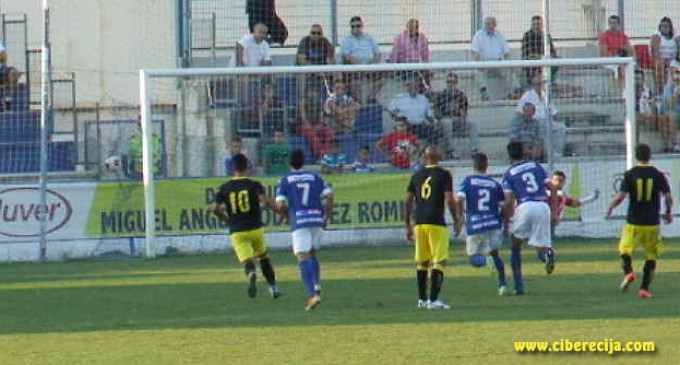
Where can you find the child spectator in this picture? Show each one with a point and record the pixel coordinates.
(276, 156)
(333, 162)
(236, 148)
(363, 162)
(399, 147)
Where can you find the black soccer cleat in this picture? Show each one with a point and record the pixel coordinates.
(550, 262)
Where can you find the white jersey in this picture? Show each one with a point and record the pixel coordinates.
(668, 48)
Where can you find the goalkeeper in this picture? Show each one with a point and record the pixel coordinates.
(557, 204)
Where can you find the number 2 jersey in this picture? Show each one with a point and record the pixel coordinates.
(428, 185)
(241, 196)
(644, 184)
(483, 197)
(304, 192)
(527, 180)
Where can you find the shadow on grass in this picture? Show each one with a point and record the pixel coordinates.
(346, 302)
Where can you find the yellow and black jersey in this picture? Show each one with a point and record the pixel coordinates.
(644, 185)
(428, 186)
(241, 196)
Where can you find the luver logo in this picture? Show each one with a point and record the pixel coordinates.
(21, 213)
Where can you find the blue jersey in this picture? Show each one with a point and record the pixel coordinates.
(527, 180)
(304, 192)
(483, 197)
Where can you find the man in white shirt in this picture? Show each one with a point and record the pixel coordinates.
(544, 113)
(416, 108)
(253, 50)
(488, 44)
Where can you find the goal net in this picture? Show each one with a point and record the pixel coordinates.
(363, 128)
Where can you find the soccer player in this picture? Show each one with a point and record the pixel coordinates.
(431, 188)
(483, 198)
(526, 183)
(560, 200)
(242, 197)
(644, 185)
(302, 194)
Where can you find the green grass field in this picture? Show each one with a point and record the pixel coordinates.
(194, 310)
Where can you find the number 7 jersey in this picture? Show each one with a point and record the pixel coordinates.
(428, 187)
(304, 192)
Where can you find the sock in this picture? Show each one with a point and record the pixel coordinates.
(436, 280)
(421, 277)
(500, 267)
(268, 271)
(516, 264)
(307, 276)
(542, 255)
(650, 265)
(627, 264)
(249, 267)
(316, 271)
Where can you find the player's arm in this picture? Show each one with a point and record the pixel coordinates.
(408, 207)
(618, 199)
(217, 210)
(668, 200)
(455, 212)
(328, 199)
(508, 207)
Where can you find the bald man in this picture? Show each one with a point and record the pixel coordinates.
(432, 190)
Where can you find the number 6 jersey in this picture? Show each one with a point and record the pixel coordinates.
(428, 186)
(241, 196)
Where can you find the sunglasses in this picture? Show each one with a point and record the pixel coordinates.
(316, 33)
(355, 26)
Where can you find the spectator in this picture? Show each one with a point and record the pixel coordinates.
(270, 113)
(315, 49)
(134, 158)
(525, 128)
(363, 162)
(236, 148)
(333, 162)
(670, 106)
(664, 47)
(359, 48)
(650, 115)
(411, 46)
(532, 49)
(313, 127)
(488, 44)
(252, 50)
(451, 108)
(264, 11)
(341, 109)
(276, 155)
(9, 76)
(399, 147)
(418, 112)
(546, 115)
(615, 43)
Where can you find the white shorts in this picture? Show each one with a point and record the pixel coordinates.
(531, 222)
(306, 239)
(483, 243)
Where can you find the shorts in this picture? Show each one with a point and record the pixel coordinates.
(306, 239)
(531, 222)
(647, 236)
(432, 243)
(248, 244)
(483, 243)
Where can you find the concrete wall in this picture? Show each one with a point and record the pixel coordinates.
(104, 42)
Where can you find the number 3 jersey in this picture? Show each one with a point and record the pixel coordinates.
(241, 196)
(483, 197)
(304, 193)
(527, 180)
(428, 186)
(644, 184)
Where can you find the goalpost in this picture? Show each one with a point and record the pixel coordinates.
(209, 100)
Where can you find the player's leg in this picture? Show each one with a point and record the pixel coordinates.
(439, 246)
(302, 245)
(260, 251)
(243, 248)
(495, 241)
(516, 263)
(474, 246)
(314, 259)
(626, 248)
(539, 233)
(422, 258)
(651, 240)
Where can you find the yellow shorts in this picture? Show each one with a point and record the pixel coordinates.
(647, 236)
(432, 243)
(248, 244)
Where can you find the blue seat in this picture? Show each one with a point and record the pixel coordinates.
(350, 145)
(24, 157)
(18, 127)
(369, 119)
(61, 156)
(286, 90)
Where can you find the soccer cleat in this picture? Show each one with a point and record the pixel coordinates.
(423, 303)
(627, 279)
(317, 290)
(491, 265)
(252, 287)
(550, 261)
(438, 304)
(644, 294)
(502, 290)
(312, 302)
(275, 292)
